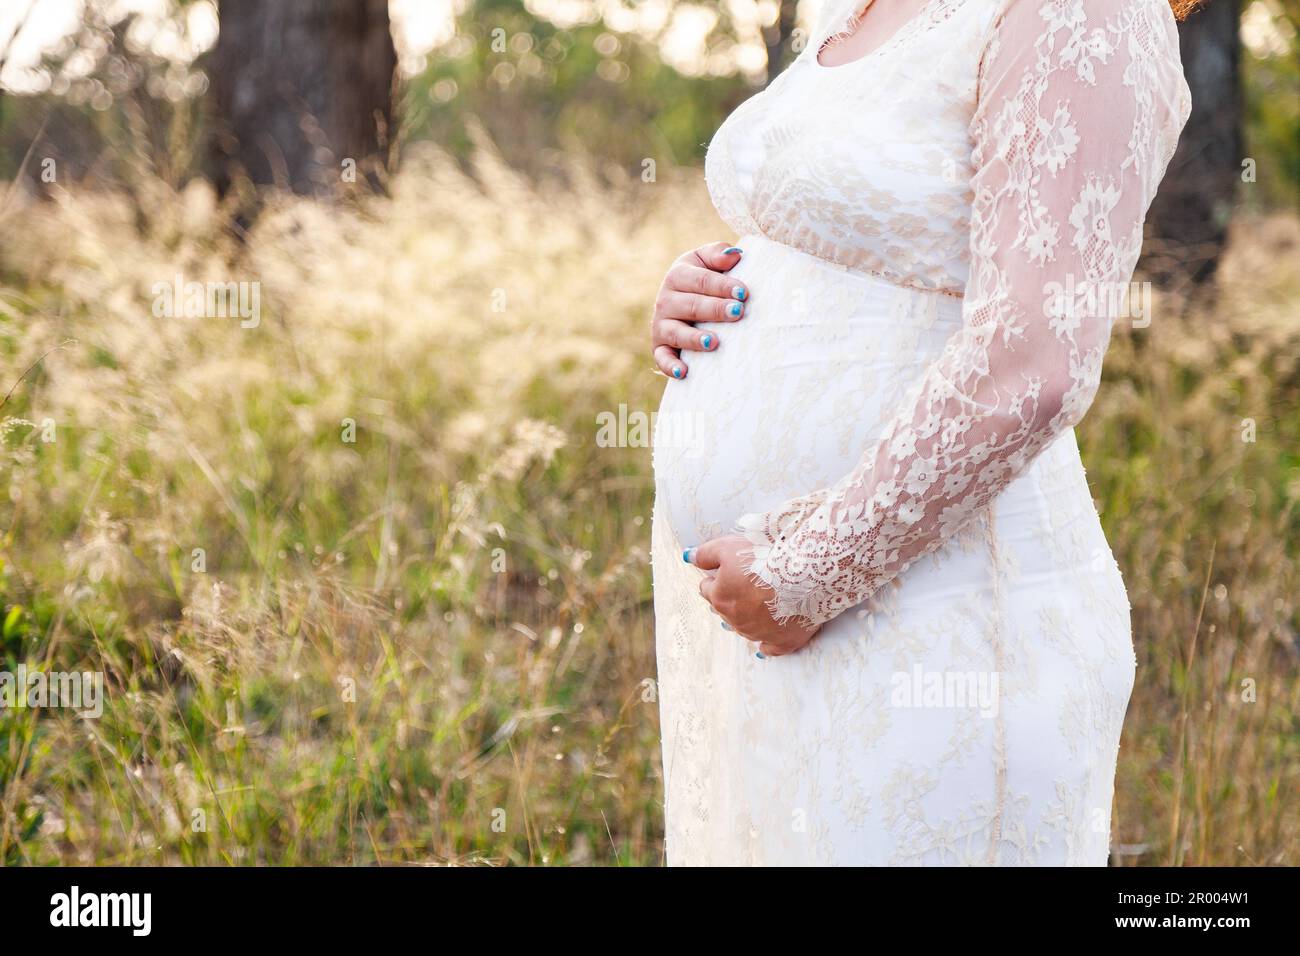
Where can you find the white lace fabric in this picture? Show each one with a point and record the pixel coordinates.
(904, 217)
(1077, 110)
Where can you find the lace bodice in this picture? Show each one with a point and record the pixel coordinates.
(1001, 150)
(865, 164)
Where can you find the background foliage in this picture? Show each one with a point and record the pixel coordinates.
(435, 644)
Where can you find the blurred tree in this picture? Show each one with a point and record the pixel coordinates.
(541, 90)
(1271, 74)
(779, 38)
(108, 109)
(8, 113)
(301, 94)
(1190, 215)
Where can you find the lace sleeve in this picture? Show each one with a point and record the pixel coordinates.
(1079, 109)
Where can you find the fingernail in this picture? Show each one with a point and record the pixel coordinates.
(677, 371)
(760, 655)
(686, 555)
(726, 626)
(732, 250)
(707, 341)
(740, 292)
(735, 309)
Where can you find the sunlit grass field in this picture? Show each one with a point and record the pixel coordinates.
(366, 589)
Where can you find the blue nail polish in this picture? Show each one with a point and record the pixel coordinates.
(740, 292)
(677, 371)
(706, 341)
(731, 250)
(760, 655)
(726, 626)
(735, 309)
(686, 555)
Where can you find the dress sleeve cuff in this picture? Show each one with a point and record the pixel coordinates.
(769, 564)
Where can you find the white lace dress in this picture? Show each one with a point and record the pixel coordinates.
(936, 237)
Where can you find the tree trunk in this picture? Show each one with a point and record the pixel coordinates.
(301, 93)
(1189, 218)
(778, 36)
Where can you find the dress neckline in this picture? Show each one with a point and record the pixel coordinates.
(924, 15)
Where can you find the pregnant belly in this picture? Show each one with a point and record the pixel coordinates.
(796, 391)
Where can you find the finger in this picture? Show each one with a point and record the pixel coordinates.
(706, 591)
(670, 362)
(706, 557)
(698, 307)
(718, 256)
(678, 335)
(686, 277)
(768, 650)
(788, 645)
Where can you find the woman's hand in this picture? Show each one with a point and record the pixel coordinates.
(694, 291)
(740, 600)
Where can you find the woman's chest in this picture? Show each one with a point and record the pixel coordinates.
(865, 164)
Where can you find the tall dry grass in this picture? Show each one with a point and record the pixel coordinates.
(1193, 451)
(435, 643)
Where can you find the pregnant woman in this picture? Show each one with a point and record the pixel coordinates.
(889, 627)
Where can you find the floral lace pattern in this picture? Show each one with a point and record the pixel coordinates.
(902, 217)
(1079, 109)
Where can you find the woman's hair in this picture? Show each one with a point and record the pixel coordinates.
(1183, 7)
